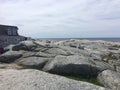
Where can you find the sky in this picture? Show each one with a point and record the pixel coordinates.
(62, 18)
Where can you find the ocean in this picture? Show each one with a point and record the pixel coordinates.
(105, 39)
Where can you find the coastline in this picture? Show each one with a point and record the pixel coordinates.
(92, 39)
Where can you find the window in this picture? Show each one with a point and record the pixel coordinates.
(14, 32)
(9, 31)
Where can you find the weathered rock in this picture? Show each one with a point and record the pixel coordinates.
(74, 51)
(118, 69)
(9, 48)
(37, 80)
(110, 79)
(72, 65)
(25, 45)
(10, 66)
(56, 51)
(102, 65)
(96, 56)
(115, 64)
(42, 42)
(46, 55)
(33, 62)
(83, 44)
(10, 56)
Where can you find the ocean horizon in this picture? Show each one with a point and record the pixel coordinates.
(105, 39)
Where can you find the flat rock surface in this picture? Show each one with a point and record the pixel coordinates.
(38, 80)
(34, 62)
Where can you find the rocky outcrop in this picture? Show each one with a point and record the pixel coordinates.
(110, 79)
(33, 62)
(56, 51)
(25, 45)
(75, 65)
(83, 58)
(37, 80)
(10, 56)
(8, 48)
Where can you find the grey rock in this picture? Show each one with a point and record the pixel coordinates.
(115, 64)
(33, 62)
(37, 80)
(25, 45)
(110, 79)
(10, 56)
(74, 51)
(102, 65)
(56, 51)
(72, 65)
(97, 54)
(9, 48)
(42, 54)
(118, 69)
(10, 66)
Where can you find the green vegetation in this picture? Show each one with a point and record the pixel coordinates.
(108, 57)
(92, 80)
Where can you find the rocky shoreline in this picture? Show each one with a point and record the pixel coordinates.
(54, 65)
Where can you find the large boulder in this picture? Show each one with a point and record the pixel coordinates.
(33, 62)
(10, 56)
(25, 45)
(56, 51)
(110, 79)
(73, 65)
(38, 80)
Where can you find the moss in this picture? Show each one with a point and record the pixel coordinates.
(92, 80)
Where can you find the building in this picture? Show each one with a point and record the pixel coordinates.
(9, 35)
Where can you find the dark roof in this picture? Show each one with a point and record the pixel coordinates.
(8, 26)
(11, 36)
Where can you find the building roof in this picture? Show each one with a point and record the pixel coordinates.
(6, 26)
(11, 36)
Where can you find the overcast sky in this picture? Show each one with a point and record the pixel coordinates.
(62, 18)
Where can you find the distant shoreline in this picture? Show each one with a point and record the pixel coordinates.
(105, 39)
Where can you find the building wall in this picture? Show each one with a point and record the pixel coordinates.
(7, 40)
(11, 32)
(9, 35)
(5, 30)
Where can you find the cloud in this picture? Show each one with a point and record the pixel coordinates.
(47, 18)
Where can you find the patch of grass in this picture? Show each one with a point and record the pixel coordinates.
(92, 80)
(108, 57)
